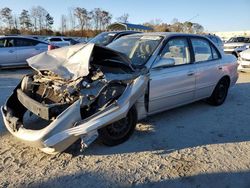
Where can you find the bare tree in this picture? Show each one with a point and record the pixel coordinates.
(82, 16)
(123, 18)
(24, 19)
(101, 18)
(197, 28)
(72, 18)
(15, 23)
(34, 15)
(49, 21)
(105, 19)
(96, 17)
(39, 17)
(63, 24)
(7, 17)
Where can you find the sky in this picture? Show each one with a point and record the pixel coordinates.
(213, 15)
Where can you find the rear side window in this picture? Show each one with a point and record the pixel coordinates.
(202, 50)
(25, 42)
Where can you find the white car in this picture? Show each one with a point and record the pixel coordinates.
(14, 50)
(235, 45)
(244, 61)
(61, 41)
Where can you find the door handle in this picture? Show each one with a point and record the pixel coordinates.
(220, 67)
(11, 51)
(191, 73)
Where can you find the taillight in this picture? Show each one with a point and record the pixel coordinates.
(51, 47)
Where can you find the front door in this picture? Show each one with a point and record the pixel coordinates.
(174, 85)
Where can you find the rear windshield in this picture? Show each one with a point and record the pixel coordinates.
(103, 39)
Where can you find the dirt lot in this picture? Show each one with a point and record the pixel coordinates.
(193, 146)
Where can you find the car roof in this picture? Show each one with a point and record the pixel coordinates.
(22, 37)
(121, 32)
(167, 34)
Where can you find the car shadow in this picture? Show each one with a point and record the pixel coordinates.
(219, 179)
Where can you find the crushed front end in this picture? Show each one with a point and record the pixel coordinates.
(51, 112)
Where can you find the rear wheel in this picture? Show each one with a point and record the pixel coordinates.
(219, 94)
(119, 131)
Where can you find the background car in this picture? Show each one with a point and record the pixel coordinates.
(104, 38)
(235, 45)
(14, 50)
(244, 61)
(61, 41)
(216, 40)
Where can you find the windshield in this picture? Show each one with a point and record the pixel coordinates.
(239, 39)
(137, 48)
(103, 39)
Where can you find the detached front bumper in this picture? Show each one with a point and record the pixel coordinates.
(68, 126)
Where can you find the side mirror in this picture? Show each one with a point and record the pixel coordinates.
(164, 62)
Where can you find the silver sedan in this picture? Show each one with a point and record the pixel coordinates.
(14, 50)
(88, 91)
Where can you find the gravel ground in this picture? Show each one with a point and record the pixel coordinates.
(192, 146)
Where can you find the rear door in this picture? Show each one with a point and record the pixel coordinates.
(208, 66)
(172, 86)
(27, 48)
(8, 54)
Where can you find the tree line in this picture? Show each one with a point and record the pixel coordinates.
(37, 20)
(175, 26)
(77, 22)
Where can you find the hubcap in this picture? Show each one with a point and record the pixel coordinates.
(119, 129)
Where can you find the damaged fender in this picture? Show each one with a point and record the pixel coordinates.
(75, 92)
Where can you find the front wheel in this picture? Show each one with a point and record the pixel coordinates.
(219, 94)
(119, 131)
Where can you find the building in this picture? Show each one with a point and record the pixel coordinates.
(128, 26)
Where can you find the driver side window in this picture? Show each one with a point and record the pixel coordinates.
(178, 50)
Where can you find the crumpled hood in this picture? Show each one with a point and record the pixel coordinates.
(68, 62)
(72, 62)
(245, 54)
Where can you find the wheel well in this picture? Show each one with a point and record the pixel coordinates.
(133, 108)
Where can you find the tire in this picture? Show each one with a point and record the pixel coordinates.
(120, 131)
(219, 94)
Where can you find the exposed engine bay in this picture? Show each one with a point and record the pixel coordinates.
(68, 103)
(97, 90)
